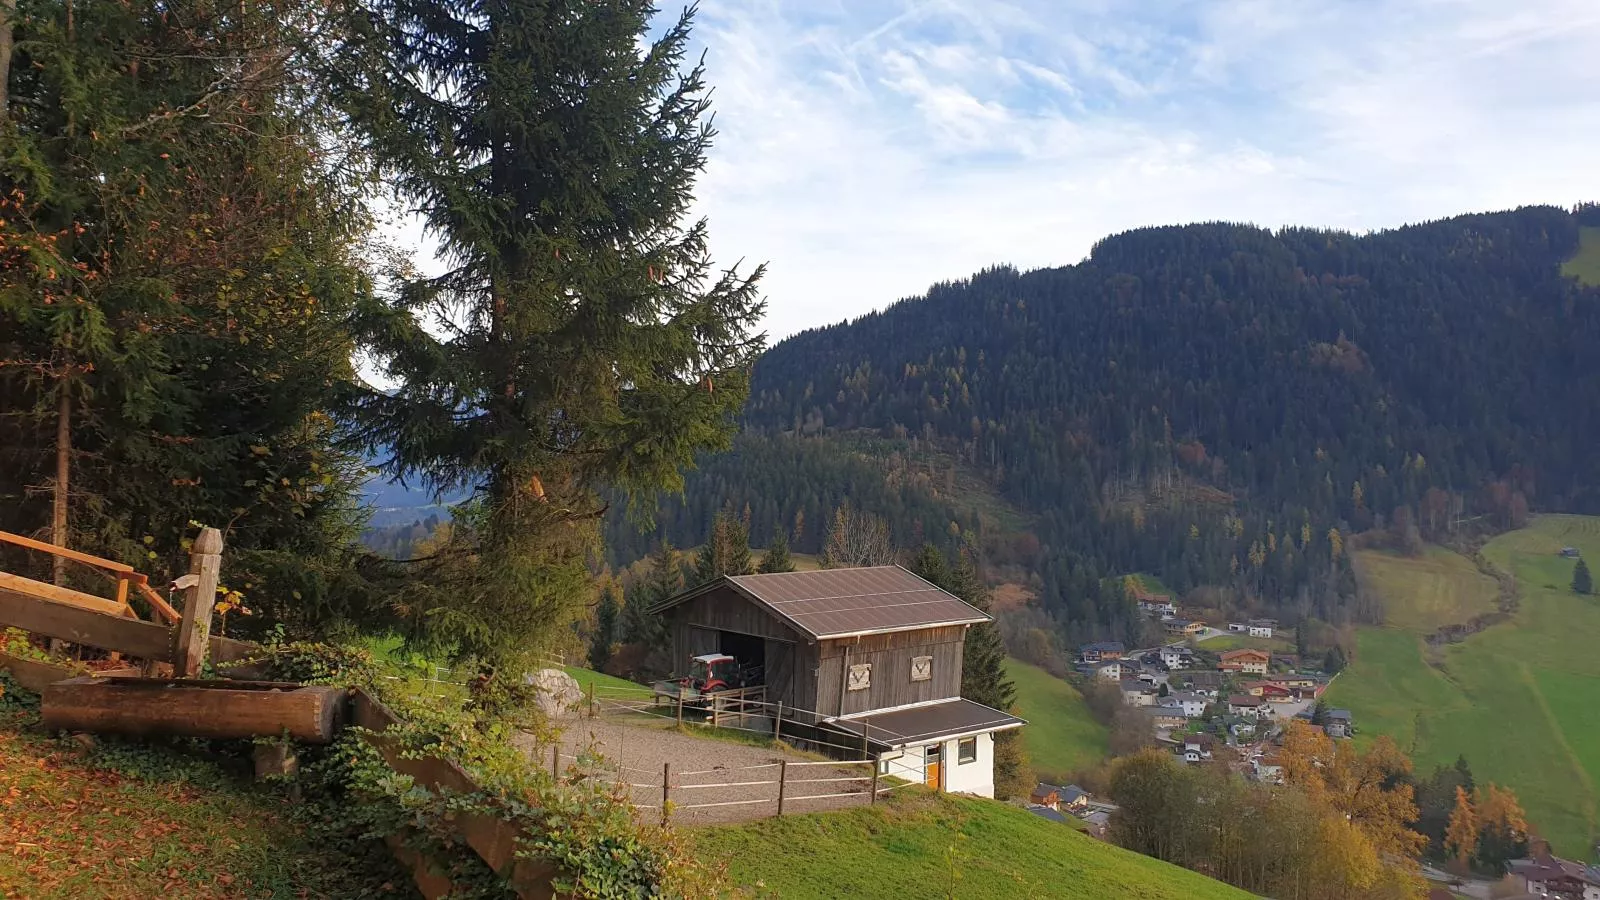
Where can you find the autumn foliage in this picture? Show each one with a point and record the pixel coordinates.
(1339, 828)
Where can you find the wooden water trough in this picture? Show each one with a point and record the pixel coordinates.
(148, 707)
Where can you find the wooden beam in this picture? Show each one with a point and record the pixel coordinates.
(109, 565)
(108, 631)
(158, 603)
(44, 591)
(194, 631)
(188, 708)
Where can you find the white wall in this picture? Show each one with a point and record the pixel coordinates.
(976, 777)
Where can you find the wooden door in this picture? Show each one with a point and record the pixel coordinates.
(931, 759)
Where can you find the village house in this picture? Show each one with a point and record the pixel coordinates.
(871, 655)
(1262, 628)
(1100, 651)
(1110, 670)
(1336, 723)
(1268, 768)
(1249, 662)
(1555, 878)
(1245, 705)
(1190, 704)
(1196, 747)
(1242, 729)
(1175, 657)
(1158, 606)
(1138, 693)
(1238, 627)
(1201, 681)
(1046, 795)
(1168, 718)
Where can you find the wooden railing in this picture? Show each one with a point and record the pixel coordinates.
(125, 576)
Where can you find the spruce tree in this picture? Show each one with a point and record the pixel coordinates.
(1582, 583)
(777, 559)
(605, 629)
(552, 148)
(726, 550)
(177, 276)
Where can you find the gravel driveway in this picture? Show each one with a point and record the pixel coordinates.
(708, 770)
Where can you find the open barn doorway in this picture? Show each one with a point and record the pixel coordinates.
(748, 649)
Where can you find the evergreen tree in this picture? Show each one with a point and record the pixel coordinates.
(776, 559)
(552, 147)
(1582, 583)
(726, 550)
(177, 282)
(605, 629)
(665, 579)
(1334, 660)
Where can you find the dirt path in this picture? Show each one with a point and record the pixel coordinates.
(711, 771)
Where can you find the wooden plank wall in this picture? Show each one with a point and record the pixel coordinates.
(890, 656)
(728, 610)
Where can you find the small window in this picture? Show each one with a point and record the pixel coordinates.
(921, 668)
(967, 751)
(860, 677)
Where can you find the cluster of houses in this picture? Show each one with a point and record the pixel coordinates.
(1056, 803)
(1551, 877)
(1199, 710)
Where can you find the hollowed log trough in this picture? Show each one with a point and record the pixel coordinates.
(180, 707)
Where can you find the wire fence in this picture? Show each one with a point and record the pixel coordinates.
(763, 790)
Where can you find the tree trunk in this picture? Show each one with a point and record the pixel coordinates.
(58, 518)
(8, 11)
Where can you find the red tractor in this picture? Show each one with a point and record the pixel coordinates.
(713, 672)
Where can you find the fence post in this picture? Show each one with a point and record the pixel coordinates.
(783, 781)
(866, 727)
(777, 724)
(666, 787)
(591, 699)
(555, 760)
(194, 630)
(874, 783)
(716, 706)
(680, 709)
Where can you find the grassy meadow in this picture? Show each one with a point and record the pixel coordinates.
(1061, 736)
(1518, 700)
(1231, 641)
(1585, 265)
(920, 844)
(1422, 594)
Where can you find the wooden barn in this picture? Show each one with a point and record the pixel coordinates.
(875, 650)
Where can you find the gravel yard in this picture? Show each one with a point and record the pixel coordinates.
(708, 770)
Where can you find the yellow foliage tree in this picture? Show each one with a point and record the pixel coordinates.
(1461, 836)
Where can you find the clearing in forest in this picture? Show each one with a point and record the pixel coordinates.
(1422, 593)
(1585, 264)
(1517, 699)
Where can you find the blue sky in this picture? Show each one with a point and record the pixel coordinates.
(868, 149)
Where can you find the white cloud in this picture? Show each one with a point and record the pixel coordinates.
(870, 149)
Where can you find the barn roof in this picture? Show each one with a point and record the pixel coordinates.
(834, 603)
(923, 723)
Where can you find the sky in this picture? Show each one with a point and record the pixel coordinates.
(870, 148)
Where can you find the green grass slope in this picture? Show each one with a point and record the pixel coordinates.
(1517, 699)
(920, 844)
(1061, 737)
(1436, 589)
(1585, 265)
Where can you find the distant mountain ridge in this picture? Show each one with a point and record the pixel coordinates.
(1313, 381)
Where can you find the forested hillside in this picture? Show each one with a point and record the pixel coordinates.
(1220, 404)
